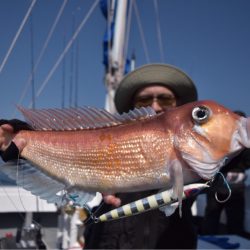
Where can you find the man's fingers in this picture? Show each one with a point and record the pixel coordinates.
(112, 200)
(7, 128)
(6, 135)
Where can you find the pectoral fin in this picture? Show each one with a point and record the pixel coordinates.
(32, 179)
(177, 179)
(169, 209)
(190, 190)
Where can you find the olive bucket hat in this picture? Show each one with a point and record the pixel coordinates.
(161, 74)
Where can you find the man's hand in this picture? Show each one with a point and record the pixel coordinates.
(236, 178)
(6, 136)
(112, 200)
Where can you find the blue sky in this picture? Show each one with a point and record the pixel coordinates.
(208, 39)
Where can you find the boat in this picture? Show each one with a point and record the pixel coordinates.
(26, 220)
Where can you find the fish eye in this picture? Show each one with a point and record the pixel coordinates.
(201, 114)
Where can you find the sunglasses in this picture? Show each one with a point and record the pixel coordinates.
(163, 100)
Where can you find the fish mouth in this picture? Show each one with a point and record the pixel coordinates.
(206, 168)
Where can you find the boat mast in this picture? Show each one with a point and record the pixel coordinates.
(116, 58)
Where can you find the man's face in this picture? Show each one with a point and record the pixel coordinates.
(158, 97)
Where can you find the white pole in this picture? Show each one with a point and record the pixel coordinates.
(119, 36)
(116, 59)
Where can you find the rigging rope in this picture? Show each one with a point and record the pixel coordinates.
(63, 75)
(76, 73)
(40, 90)
(158, 28)
(32, 61)
(17, 35)
(43, 50)
(110, 19)
(71, 80)
(141, 33)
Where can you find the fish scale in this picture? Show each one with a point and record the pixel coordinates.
(90, 160)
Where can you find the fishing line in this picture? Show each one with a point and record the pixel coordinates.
(128, 28)
(13, 203)
(144, 45)
(16, 36)
(158, 28)
(17, 178)
(42, 52)
(19, 195)
(44, 83)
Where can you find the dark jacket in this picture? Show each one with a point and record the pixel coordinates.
(147, 230)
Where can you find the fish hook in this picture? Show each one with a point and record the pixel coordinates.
(91, 215)
(228, 187)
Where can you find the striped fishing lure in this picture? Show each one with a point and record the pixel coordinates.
(158, 200)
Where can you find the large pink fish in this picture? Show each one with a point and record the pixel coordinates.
(84, 150)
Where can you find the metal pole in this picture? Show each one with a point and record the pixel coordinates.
(114, 76)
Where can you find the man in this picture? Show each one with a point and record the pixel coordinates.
(160, 86)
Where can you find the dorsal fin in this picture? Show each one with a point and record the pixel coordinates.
(81, 118)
